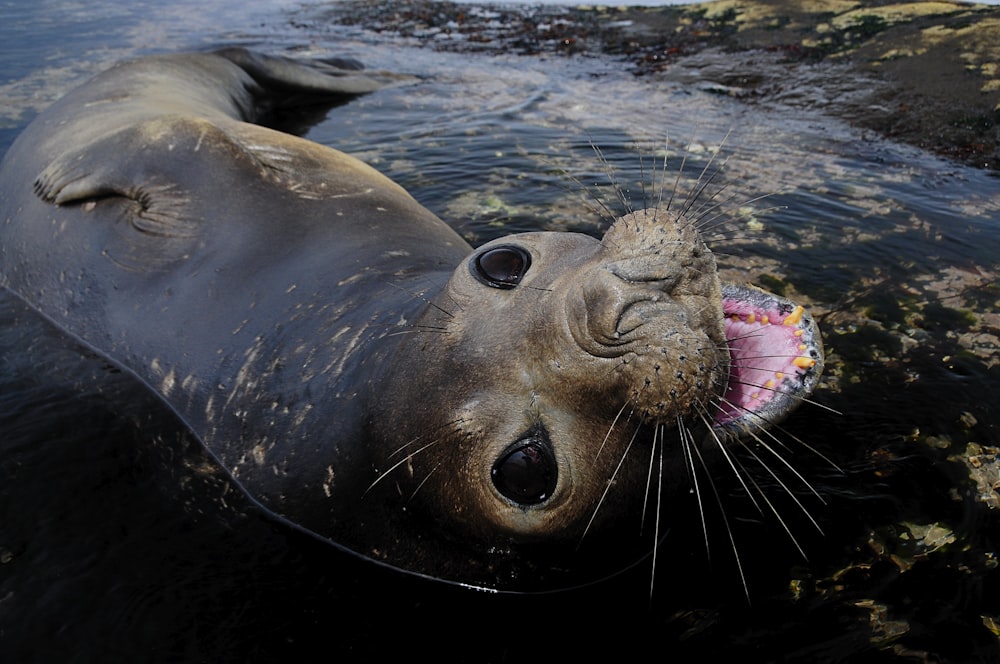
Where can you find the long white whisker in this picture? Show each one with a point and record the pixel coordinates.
(594, 203)
(614, 422)
(732, 465)
(663, 178)
(725, 519)
(414, 441)
(677, 180)
(784, 462)
(782, 484)
(608, 487)
(420, 296)
(711, 225)
(649, 480)
(397, 465)
(695, 197)
(424, 481)
(609, 171)
(686, 443)
(701, 185)
(766, 423)
(763, 495)
(642, 177)
(659, 507)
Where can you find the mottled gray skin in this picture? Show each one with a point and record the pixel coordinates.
(327, 337)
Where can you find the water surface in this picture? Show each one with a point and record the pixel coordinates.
(896, 251)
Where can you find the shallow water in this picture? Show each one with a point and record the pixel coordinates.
(895, 251)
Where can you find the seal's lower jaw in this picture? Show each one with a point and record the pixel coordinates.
(776, 357)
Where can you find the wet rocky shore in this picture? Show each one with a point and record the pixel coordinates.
(924, 73)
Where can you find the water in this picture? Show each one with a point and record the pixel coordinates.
(896, 252)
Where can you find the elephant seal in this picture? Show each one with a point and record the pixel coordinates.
(485, 416)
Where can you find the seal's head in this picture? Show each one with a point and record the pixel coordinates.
(567, 362)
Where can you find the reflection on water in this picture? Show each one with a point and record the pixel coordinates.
(895, 251)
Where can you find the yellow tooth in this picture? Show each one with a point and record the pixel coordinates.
(795, 317)
(799, 332)
(751, 317)
(764, 320)
(803, 362)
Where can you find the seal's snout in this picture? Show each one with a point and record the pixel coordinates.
(651, 303)
(651, 278)
(616, 307)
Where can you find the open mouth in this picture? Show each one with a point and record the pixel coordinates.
(776, 358)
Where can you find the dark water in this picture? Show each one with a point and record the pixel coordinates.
(895, 251)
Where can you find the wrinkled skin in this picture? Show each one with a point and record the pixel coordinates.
(633, 321)
(349, 360)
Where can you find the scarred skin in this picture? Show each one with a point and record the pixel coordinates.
(349, 360)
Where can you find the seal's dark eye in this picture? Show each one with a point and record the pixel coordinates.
(526, 472)
(501, 267)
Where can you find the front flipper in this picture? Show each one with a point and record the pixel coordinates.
(142, 188)
(113, 165)
(138, 164)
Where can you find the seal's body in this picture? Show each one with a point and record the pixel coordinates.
(349, 360)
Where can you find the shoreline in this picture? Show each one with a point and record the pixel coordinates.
(923, 73)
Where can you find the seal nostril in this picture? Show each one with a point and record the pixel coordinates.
(526, 472)
(639, 309)
(658, 274)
